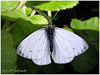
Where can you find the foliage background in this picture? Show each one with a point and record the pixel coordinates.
(17, 23)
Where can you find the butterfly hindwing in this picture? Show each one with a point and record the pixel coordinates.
(57, 55)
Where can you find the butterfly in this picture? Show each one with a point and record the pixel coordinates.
(52, 42)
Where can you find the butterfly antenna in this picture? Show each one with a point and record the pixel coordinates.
(55, 15)
(50, 15)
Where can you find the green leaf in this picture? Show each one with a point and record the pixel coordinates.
(86, 61)
(97, 46)
(17, 34)
(38, 19)
(76, 24)
(14, 15)
(88, 29)
(8, 54)
(96, 9)
(53, 68)
(28, 11)
(92, 23)
(28, 25)
(51, 5)
(69, 29)
(28, 65)
(8, 5)
(32, 24)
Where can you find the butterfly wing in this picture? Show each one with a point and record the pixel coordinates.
(35, 47)
(67, 46)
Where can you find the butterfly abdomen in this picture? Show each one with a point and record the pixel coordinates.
(50, 35)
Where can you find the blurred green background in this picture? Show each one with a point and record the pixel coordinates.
(19, 19)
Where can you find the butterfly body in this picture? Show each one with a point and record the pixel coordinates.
(50, 36)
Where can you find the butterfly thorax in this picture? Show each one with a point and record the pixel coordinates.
(50, 36)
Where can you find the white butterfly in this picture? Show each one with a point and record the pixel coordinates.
(58, 43)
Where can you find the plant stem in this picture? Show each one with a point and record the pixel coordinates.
(5, 25)
(21, 4)
(50, 15)
(9, 28)
(32, 13)
(42, 13)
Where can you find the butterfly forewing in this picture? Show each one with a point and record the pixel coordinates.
(33, 46)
